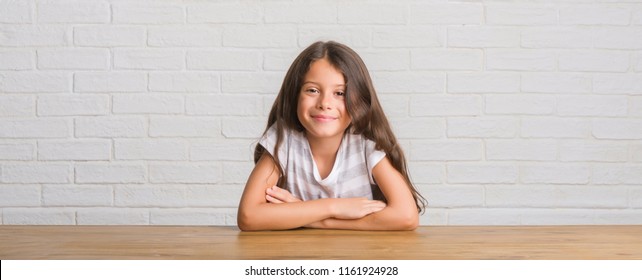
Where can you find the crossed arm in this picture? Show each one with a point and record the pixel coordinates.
(266, 207)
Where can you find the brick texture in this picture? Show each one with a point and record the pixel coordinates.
(147, 112)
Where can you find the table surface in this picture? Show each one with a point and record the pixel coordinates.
(431, 242)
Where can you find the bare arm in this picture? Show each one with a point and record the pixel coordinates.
(256, 212)
(400, 213)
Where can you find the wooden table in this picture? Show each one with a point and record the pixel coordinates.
(189, 242)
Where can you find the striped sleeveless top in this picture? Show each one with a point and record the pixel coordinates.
(351, 175)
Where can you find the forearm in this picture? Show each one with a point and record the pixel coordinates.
(273, 216)
(387, 219)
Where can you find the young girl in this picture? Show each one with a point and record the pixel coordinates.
(328, 158)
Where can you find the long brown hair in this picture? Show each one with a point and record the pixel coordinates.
(368, 118)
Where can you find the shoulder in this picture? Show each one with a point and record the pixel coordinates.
(270, 136)
(359, 140)
(270, 133)
(367, 147)
(288, 139)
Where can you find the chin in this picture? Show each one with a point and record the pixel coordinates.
(325, 133)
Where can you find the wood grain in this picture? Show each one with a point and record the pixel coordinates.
(189, 242)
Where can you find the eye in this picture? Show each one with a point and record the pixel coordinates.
(340, 93)
(312, 90)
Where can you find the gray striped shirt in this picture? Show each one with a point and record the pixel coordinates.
(351, 175)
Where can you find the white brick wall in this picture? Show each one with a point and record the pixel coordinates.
(146, 112)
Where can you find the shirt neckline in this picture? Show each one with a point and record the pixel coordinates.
(335, 166)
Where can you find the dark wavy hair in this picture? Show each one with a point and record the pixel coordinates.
(368, 118)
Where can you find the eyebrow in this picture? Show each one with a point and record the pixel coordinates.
(312, 82)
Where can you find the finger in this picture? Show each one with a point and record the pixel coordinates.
(376, 206)
(272, 199)
(375, 203)
(275, 193)
(281, 194)
(381, 204)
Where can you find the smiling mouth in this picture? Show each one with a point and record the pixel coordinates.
(323, 118)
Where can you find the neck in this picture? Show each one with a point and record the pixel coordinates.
(324, 147)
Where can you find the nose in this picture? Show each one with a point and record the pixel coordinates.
(325, 100)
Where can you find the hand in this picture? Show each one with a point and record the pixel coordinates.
(275, 194)
(342, 208)
(356, 208)
(318, 224)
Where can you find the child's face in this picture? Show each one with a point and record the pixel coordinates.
(322, 108)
